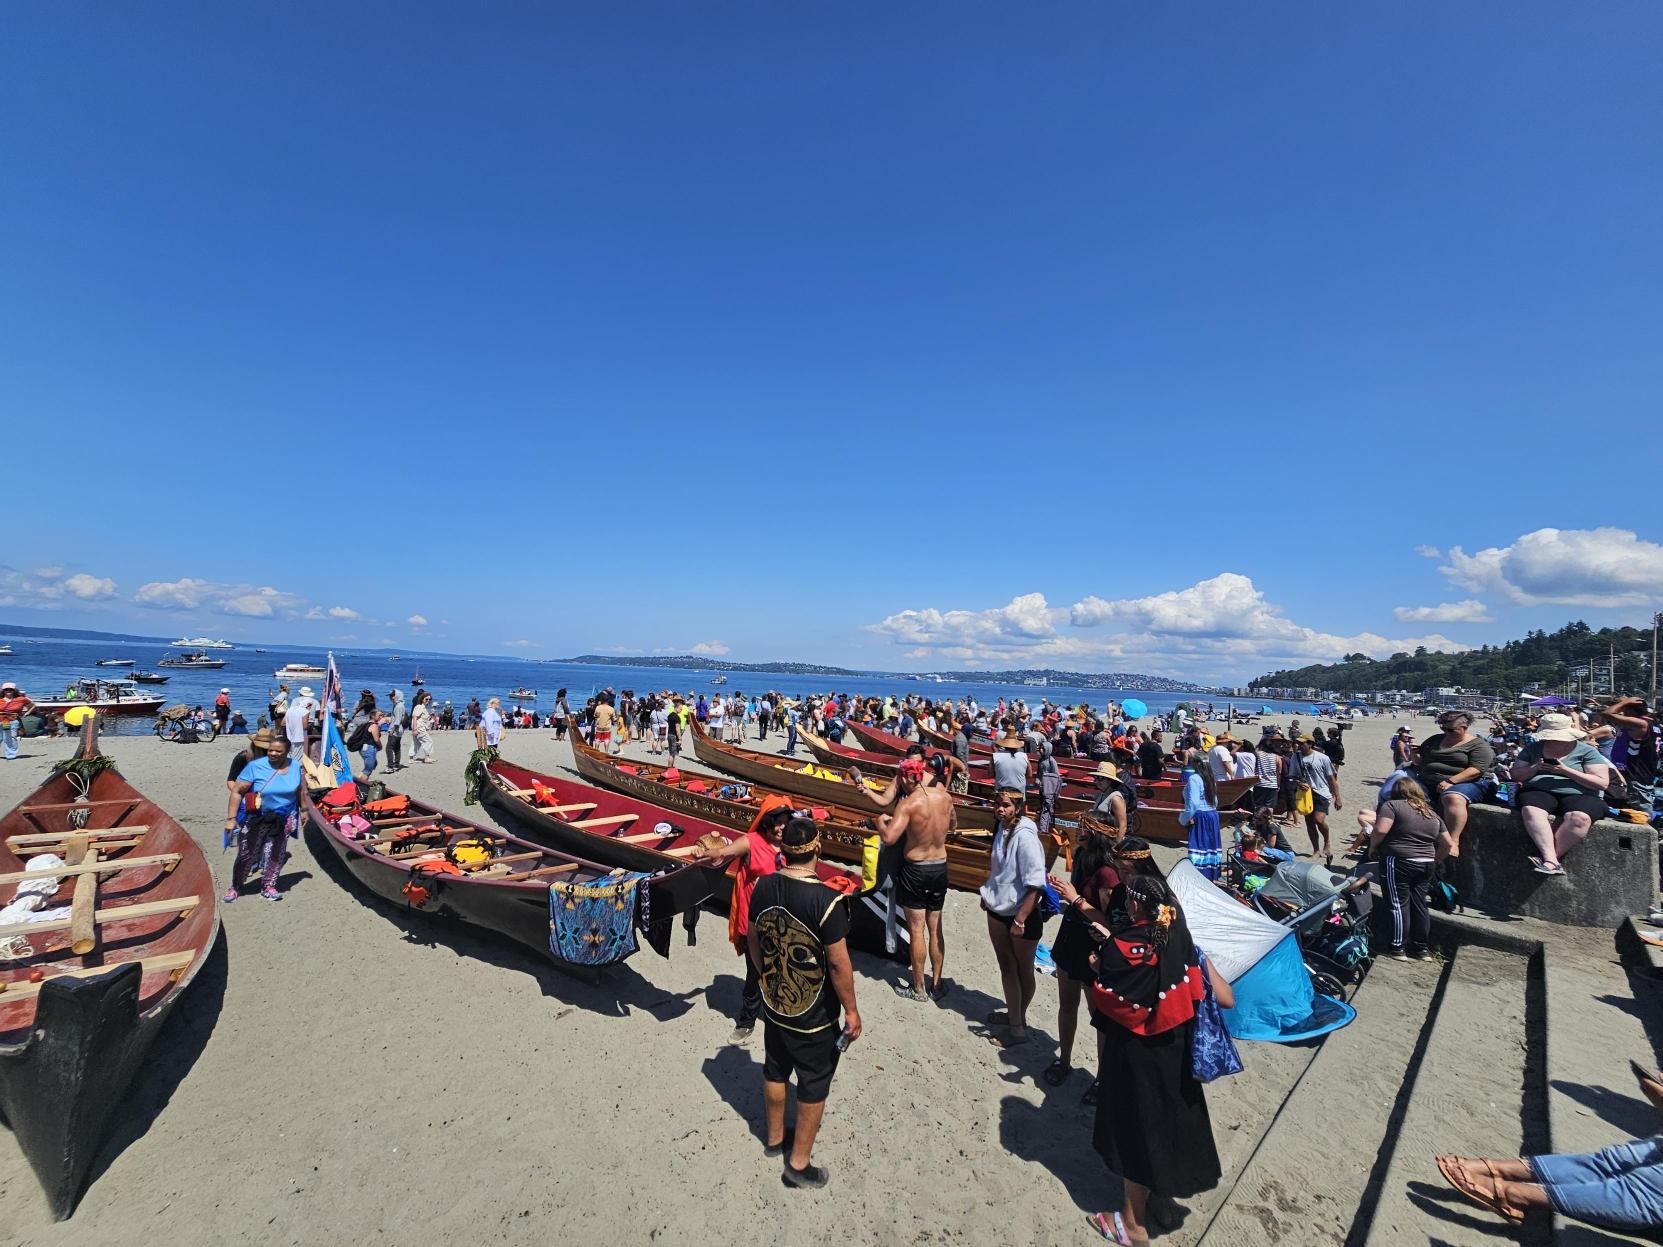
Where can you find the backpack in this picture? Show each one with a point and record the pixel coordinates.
(359, 736)
(1443, 897)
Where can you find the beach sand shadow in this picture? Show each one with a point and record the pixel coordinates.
(173, 1053)
(737, 1077)
(1036, 1133)
(1635, 1118)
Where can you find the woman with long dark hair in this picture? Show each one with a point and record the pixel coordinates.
(1091, 879)
(1200, 815)
(1010, 897)
(1153, 1130)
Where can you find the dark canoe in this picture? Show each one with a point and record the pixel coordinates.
(72, 1044)
(510, 895)
(975, 809)
(843, 831)
(511, 793)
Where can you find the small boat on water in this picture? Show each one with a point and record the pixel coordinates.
(5, 649)
(417, 678)
(149, 677)
(721, 679)
(110, 697)
(523, 694)
(418, 856)
(300, 671)
(262, 651)
(84, 992)
(113, 662)
(200, 642)
(192, 659)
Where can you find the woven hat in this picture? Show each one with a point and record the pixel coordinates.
(1010, 741)
(262, 738)
(1107, 770)
(1558, 727)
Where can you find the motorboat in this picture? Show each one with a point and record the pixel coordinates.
(194, 659)
(300, 671)
(113, 662)
(523, 694)
(149, 677)
(201, 642)
(721, 679)
(108, 697)
(5, 649)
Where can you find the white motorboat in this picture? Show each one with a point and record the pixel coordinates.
(114, 662)
(300, 671)
(192, 658)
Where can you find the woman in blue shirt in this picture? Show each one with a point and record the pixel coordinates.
(1200, 816)
(268, 795)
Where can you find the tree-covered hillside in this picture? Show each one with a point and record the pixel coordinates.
(1501, 670)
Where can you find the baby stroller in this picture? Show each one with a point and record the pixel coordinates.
(1328, 913)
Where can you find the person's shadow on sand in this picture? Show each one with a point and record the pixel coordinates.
(737, 1077)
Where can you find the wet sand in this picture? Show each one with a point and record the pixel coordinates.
(345, 1070)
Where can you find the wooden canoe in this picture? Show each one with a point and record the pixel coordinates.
(843, 830)
(75, 1027)
(1074, 770)
(510, 895)
(550, 809)
(975, 809)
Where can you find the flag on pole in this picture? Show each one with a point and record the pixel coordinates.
(332, 688)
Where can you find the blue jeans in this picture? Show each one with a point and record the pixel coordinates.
(1620, 1187)
(790, 743)
(8, 734)
(370, 754)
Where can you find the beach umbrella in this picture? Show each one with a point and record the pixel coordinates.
(1134, 708)
(1261, 960)
(77, 715)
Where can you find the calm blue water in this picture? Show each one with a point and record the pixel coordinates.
(42, 668)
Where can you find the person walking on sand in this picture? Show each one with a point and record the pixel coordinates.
(13, 706)
(921, 823)
(392, 734)
(273, 782)
(1316, 772)
(757, 855)
(297, 719)
(798, 939)
(421, 727)
(1010, 898)
(491, 722)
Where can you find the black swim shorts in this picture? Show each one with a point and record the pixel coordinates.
(921, 885)
(812, 1057)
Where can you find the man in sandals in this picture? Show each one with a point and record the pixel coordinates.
(921, 823)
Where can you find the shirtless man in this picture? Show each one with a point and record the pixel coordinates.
(921, 823)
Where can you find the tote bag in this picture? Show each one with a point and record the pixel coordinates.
(1212, 1052)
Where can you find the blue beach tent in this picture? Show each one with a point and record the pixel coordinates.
(1261, 960)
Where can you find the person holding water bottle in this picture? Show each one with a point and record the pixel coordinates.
(798, 941)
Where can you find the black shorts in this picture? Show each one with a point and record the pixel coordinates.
(1031, 929)
(1319, 803)
(812, 1057)
(1263, 798)
(921, 885)
(1557, 804)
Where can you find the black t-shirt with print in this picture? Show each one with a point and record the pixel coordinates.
(794, 921)
(1151, 760)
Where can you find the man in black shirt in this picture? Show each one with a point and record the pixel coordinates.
(1152, 757)
(798, 943)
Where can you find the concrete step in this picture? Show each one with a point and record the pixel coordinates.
(1470, 1096)
(1594, 1026)
(1316, 1171)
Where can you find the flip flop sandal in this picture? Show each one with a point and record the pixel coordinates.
(905, 992)
(1494, 1202)
(1111, 1227)
(1056, 1074)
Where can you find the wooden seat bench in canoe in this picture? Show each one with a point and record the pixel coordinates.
(184, 906)
(167, 861)
(168, 963)
(36, 841)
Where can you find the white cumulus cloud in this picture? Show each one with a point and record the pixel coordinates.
(47, 588)
(1469, 611)
(1220, 627)
(417, 621)
(1599, 567)
(342, 612)
(1429, 552)
(712, 648)
(190, 593)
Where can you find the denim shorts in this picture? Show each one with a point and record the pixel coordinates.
(1472, 790)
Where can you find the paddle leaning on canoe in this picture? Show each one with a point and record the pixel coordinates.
(84, 992)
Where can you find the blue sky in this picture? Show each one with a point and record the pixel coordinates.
(1098, 335)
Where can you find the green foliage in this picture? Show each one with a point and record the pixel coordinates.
(1500, 670)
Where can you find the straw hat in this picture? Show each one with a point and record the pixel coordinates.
(1106, 770)
(262, 738)
(1010, 741)
(1558, 727)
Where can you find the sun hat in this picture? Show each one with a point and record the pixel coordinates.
(1010, 741)
(8, 685)
(1558, 727)
(262, 738)
(225, 690)
(1106, 770)
(305, 690)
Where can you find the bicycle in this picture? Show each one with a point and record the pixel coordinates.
(182, 731)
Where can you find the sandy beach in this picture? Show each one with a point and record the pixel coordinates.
(347, 1071)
